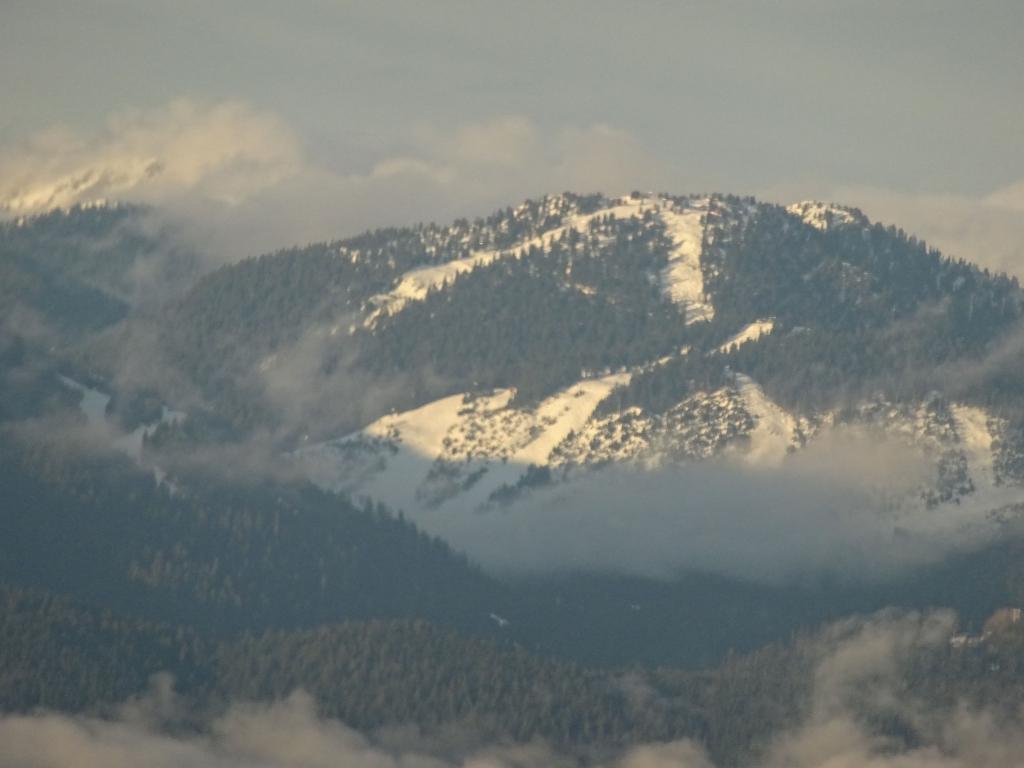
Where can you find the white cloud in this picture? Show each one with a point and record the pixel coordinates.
(225, 152)
(246, 182)
(859, 680)
(1009, 197)
(270, 735)
(504, 142)
(497, 162)
(846, 506)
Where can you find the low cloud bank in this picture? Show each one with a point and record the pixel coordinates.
(859, 681)
(272, 735)
(857, 686)
(847, 506)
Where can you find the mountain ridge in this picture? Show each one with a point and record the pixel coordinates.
(487, 364)
(556, 412)
(399, 281)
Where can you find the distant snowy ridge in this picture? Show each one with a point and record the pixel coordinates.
(88, 187)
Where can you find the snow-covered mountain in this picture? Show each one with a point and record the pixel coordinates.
(480, 365)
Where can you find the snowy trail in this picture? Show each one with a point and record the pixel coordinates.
(683, 279)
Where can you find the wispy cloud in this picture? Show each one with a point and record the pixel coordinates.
(224, 152)
(247, 183)
(847, 506)
(857, 683)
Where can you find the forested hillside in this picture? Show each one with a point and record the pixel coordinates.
(538, 296)
(254, 483)
(57, 654)
(223, 555)
(75, 272)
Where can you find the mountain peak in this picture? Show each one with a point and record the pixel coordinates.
(825, 216)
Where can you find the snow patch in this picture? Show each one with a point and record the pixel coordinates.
(131, 443)
(466, 446)
(775, 430)
(81, 187)
(976, 443)
(391, 457)
(93, 404)
(699, 427)
(824, 216)
(752, 332)
(415, 284)
(682, 280)
(94, 407)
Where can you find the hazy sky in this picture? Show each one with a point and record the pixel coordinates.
(913, 109)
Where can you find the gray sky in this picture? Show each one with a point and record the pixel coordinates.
(366, 113)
